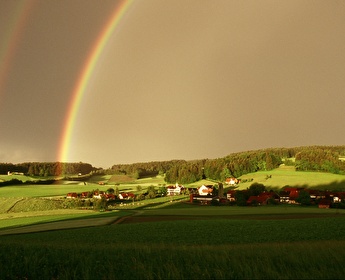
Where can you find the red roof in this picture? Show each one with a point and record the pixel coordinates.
(261, 198)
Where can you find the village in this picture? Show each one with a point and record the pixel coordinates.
(215, 195)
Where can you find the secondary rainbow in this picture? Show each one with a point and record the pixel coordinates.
(11, 38)
(84, 77)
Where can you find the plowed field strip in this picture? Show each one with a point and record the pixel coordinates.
(160, 218)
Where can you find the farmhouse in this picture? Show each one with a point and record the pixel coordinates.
(126, 195)
(98, 194)
(110, 196)
(262, 198)
(337, 197)
(315, 194)
(325, 203)
(72, 195)
(205, 190)
(232, 181)
(174, 190)
(85, 194)
(9, 173)
(289, 195)
(230, 195)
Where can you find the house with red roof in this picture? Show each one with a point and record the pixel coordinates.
(125, 195)
(232, 181)
(289, 195)
(262, 198)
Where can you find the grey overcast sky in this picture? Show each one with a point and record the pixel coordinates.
(177, 79)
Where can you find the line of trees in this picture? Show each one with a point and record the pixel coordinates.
(313, 158)
(45, 169)
(319, 159)
(310, 158)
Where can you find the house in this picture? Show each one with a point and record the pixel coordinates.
(232, 181)
(174, 190)
(205, 190)
(98, 194)
(262, 198)
(126, 195)
(284, 197)
(325, 203)
(230, 195)
(84, 194)
(316, 195)
(289, 195)
(337, 197)
(9, 173)
(72, 195)
(110, 196)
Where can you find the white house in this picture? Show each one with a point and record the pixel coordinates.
(174, 190)
(205, 190)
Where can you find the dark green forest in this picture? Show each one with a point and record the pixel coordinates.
(309, 158)
(45, 169)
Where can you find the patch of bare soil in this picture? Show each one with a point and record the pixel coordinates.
(164, 218)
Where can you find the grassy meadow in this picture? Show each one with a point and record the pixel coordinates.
(287, 176)
(172, 239)
(223, 243)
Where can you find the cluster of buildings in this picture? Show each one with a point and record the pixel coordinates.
(205, 195)
(289, 195)
(101, 194)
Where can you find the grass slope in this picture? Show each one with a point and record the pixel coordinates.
(287, 176)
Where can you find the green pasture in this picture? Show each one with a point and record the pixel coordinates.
(310, 248)
(178, 240)
(22, 178)
(58, 189)
(202, 182)
(158, 180)
(99, 178)
(38, 217)
(287, 176)
(46, 190)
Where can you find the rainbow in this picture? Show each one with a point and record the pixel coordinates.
(10, 40)
(84, 77)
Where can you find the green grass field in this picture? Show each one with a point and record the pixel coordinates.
(287, 176)
(22, 178)
(175, 240)
(247, 244)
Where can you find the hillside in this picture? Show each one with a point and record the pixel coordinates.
(288, 176)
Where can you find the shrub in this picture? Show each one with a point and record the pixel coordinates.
(100, 204)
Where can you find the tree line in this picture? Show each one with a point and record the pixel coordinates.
(46, 169)
(309, 158)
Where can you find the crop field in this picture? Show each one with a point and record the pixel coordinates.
(215, 243)
(169, 238)
(37, 217)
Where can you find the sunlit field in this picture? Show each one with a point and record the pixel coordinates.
(168, 237)
(287, 176)
(212, 247)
